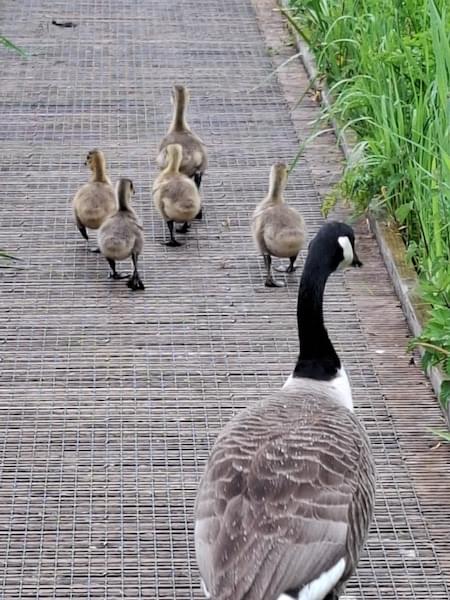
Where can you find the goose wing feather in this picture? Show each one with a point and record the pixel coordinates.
(275, 504)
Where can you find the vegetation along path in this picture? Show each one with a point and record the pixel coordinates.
(110, 400)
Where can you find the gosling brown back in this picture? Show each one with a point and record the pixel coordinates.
(278, 230)
(121, 236)
(195, 158)
(175, 195)
(95, 201)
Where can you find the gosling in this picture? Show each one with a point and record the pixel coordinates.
(175, 195)
(121, 236)
(95, 201)
(278, 230)
(195, 158)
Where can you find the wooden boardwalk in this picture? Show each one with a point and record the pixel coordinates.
(110, 400)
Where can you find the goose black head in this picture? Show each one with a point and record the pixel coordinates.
(334, 245)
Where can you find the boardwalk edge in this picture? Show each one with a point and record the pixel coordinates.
(391, 245)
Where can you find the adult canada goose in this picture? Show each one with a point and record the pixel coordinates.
(195, 159)
(278, 229)
(286, 499)
(175, 195)
(95, 201)
(121, 236)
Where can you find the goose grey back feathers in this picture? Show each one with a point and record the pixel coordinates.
(287, 497)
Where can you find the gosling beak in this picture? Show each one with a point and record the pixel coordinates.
(356, 262)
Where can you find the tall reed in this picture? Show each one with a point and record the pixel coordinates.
(388, 68)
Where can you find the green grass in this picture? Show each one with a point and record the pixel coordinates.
(6, 259)
(442, 435)
(387, 65)
(10, 46)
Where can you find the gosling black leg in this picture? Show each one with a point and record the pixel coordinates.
(198, 179)
(135, 282)
(173, 242)
(199, 215)
(114, 274)
(184, 228)
(291, 267)
(332, 596)
(82, 230)
(270, 281)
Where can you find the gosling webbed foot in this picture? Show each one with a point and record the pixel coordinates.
(94, 250)
(199, 215)
(113, 274)
(135, 283)
(272, 283)
(173, 242)
(289, 269)
(184, 228)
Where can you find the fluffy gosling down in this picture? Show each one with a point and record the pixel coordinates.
(175, 195)
(286, 500)
(278, 230)
(121, 236)
(95, 201)
(195, 158)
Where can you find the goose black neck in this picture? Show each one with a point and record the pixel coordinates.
(317, 358)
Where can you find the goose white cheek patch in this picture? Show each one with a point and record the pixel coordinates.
(346, 246)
